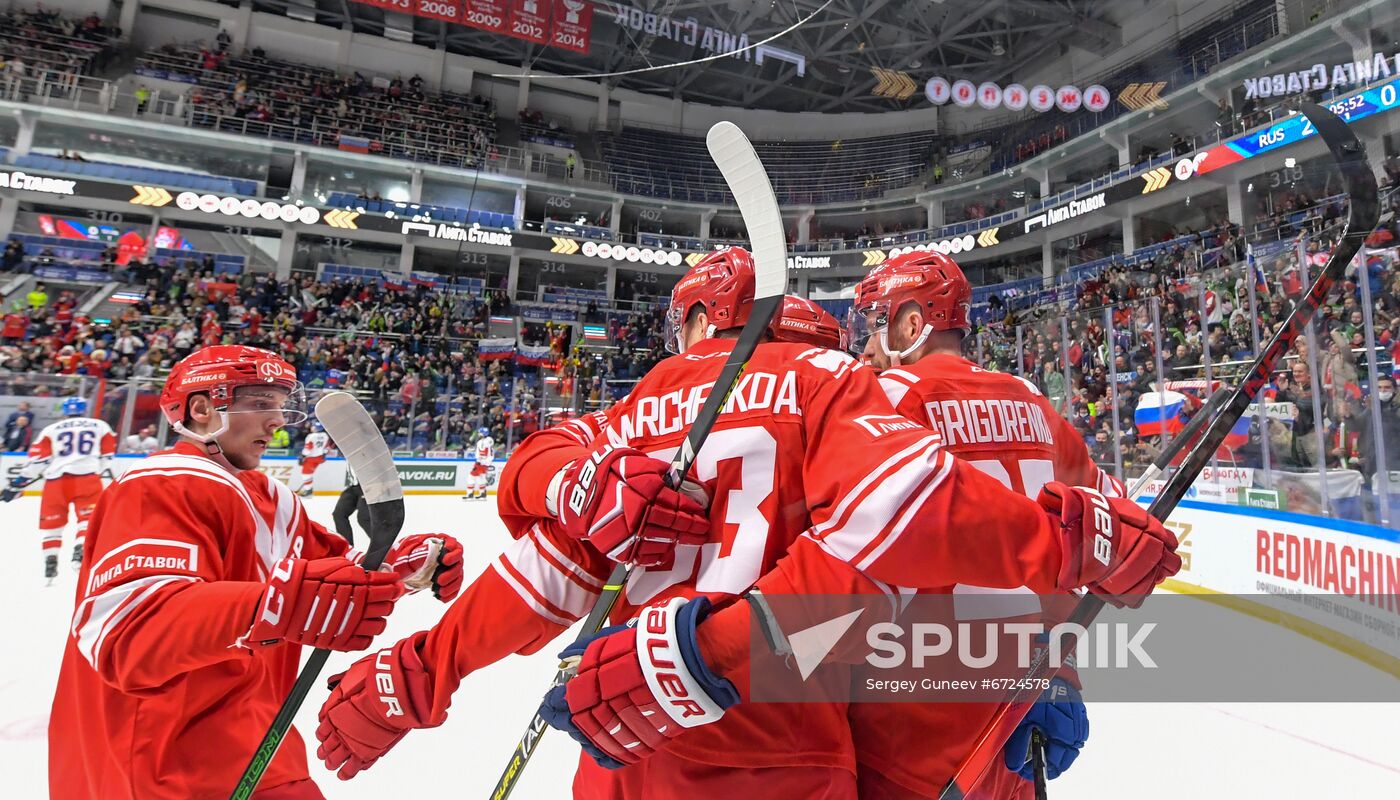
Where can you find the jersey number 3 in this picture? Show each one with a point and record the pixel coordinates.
(734, 564)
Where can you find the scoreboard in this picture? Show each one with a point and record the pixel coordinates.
(1353, 108)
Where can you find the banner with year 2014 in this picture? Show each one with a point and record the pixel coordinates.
(558, 23)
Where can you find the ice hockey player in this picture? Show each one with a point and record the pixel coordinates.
(203, 579)
(908, 322)
(313, 455)
(485, 454)
(351, 501)
(794, 452)
(70, 455)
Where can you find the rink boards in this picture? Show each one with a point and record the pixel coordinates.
(419, 475)
(1230, 553)
(1342, 577)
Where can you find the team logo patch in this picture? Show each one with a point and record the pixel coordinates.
(144, 557)
(881, 424)
(272, 370)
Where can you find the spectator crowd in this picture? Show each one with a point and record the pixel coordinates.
(411, 352)
(1208, 295)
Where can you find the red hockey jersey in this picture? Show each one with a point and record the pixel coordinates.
(1005, 427)
(807, 445)
(154, 698)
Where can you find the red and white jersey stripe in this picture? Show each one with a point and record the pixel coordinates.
(178, 551)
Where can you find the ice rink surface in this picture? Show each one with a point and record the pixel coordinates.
(1140, 751)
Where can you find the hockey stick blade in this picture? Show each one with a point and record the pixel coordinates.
(1362, 216)
(353, 430)
(744, 174)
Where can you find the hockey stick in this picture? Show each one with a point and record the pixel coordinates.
(1362, 216)
(15, 489)
(363, 446)
(748, 182)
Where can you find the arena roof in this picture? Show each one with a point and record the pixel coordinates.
(834, 52)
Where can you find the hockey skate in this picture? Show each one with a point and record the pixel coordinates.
(51, 567)
(304, 491)
(77, 556)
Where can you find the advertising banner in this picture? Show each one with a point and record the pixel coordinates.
(1357, 566)
(419, 475)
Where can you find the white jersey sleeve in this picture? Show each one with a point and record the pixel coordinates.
(485, 450)
(74, 446)
(317, 444)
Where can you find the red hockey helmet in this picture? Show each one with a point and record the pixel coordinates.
(804, 322)
(722, 283)
(218, 372)
(932, 281)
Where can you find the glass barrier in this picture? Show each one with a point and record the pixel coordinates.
(31, 400)
(1137, 351)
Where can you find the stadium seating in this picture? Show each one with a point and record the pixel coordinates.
(46, 41)
(486, 219)
(268, 96)
(668, 165)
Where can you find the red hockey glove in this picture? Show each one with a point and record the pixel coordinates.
(639, 685)
(331, 603)
(617, 499)
(1112, 545)
(372, 705)
(428, 559)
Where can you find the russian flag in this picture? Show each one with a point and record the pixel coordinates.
(533, 355)
(1159, 412)
(1236, 438)
(502, 320)
(127, 297)
(1261, 284)
(595, 333)
(353, 144)
(495, 349)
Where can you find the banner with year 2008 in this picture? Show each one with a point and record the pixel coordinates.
(445, 10)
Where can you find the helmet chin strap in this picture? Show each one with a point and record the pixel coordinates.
(897, 357)
(209, 440)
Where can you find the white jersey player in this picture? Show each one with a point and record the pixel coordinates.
(313, 455)
(485, 454)
(70, 455)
